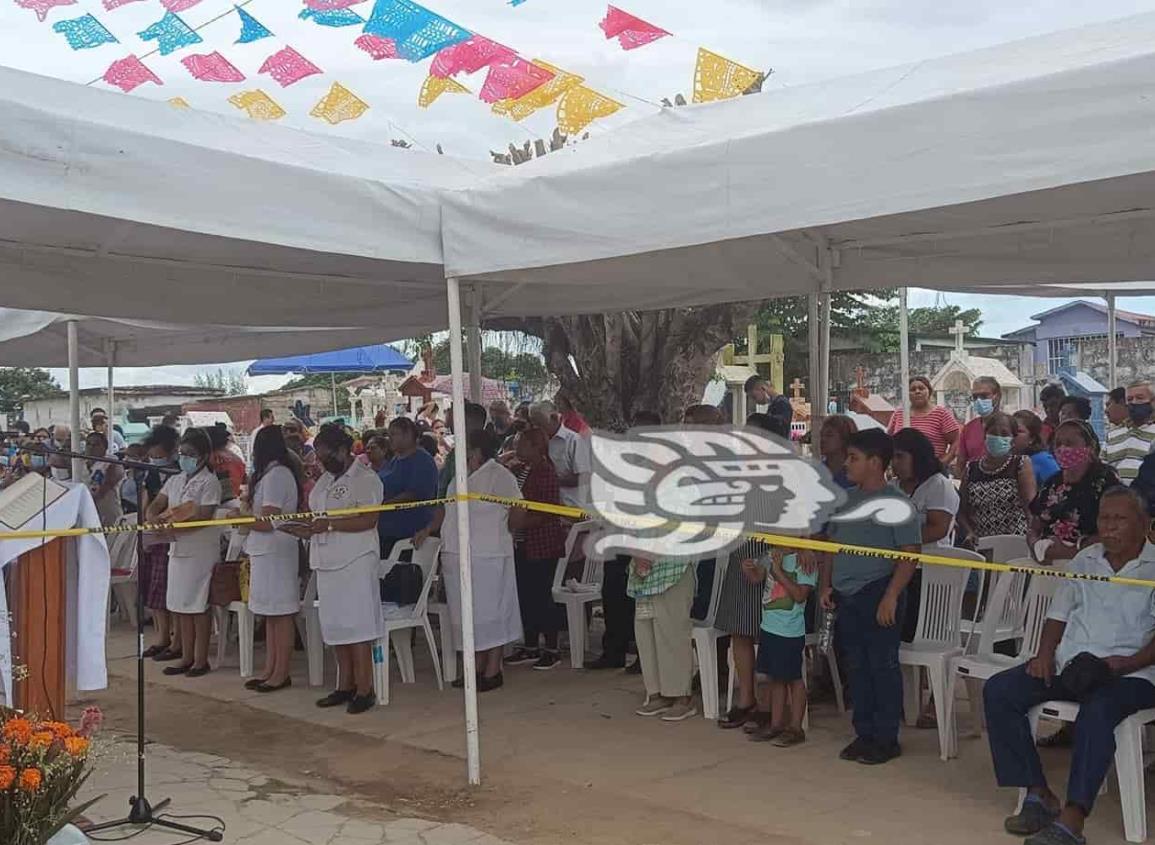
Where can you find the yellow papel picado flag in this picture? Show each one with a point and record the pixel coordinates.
(719, 78)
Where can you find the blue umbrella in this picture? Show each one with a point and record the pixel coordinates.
(378, 358)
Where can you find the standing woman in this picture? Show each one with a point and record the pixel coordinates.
(344, 552)
(161, 445)
(935, 421)
(997, 488)
(192, 495)
(274, 588)
(986, 397)
(496, 613)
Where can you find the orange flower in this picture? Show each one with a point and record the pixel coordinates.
(30, 780)
(7, 777)
(58, 729)
(17, 730)
(41, 739)
(76, 746)
(5, 754)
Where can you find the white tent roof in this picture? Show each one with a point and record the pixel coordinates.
(121, 206)
(40, 339)
(1030, 162)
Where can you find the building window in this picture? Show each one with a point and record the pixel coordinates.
(1059, 351)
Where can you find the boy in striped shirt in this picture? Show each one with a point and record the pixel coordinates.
(1128, 444)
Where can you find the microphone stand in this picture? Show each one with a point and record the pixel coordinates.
(141, 813)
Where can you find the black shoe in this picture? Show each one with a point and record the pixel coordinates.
(485, 684)
(167, 656)
(855, 750)
(336, 698)
(154, 650)
(547, 661)
(879, 753)
(253, 683)
(197, 671)
(288, 682)
(735, 718)
(176, 670)
(604, 662)
(635, 668)
(522, 656)
(361, 703)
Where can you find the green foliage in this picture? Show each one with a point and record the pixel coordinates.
(233, 382)
(513, 365)
(18, 384)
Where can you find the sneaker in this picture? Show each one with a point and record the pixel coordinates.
(855, 750)
(361, 703)
(522, 656)
(604, 662)
(547, 661)
(1033, 817)
(654, 706)
(736, 717)
(1055, 834)
(680, 712)
(879, 753)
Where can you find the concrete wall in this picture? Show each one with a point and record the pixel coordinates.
(1136, 359)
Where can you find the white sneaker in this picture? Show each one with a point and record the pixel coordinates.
(680, 712)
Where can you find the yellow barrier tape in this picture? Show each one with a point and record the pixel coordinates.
(579, 514)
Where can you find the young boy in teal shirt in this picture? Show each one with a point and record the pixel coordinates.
(780, 645)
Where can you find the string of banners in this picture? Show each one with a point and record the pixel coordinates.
(775, 540)
(513, 86)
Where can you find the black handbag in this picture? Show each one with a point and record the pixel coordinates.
(1084, 673)
(402, 584)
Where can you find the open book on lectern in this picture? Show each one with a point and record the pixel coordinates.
(23, 501)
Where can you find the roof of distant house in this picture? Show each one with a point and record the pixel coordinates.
(1130, 316)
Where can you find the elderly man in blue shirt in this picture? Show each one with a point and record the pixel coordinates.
(1102, 632)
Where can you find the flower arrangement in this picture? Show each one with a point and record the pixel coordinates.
(42, 767)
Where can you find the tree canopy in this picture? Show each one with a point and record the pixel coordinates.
(18, 384)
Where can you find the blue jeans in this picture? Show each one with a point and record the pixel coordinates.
(1009, 695)
(871, 653)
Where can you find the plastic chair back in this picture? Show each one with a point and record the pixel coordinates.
(1035, 608)
(720, 564)
(940, 611)
(576, 548)
(1003, 548)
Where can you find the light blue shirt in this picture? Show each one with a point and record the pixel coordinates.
(781, 615)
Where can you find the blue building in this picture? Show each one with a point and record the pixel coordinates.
(1059, 331)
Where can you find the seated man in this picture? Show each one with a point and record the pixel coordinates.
(1110, 621)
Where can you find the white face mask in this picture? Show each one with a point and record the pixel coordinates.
(61, 473)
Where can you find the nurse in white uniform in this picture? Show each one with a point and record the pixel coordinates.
(274, 588)
(496, 613)
(192, 495)
(346, 555)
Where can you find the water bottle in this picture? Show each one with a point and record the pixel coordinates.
(826, 632)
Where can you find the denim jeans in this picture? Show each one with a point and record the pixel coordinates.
(1009, 695)
(871, 653)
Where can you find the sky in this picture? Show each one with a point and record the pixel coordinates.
(802, 41)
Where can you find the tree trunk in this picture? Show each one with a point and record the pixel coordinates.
(615, 365)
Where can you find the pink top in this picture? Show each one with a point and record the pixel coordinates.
(972, 443)
(936, 425)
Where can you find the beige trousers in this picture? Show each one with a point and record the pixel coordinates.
(664, 640)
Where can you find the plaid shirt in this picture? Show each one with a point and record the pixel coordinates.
(547, 540)
(663, 574)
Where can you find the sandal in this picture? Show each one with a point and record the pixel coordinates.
(735, 718)
(790, 737)
(767, 733)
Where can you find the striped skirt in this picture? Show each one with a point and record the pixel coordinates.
(740, 604)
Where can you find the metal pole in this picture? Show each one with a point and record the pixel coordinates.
(333, 390)
(461, 482)
(74, 396)
(473, 342)
(904, 355)
(1112, 345)
(111, 352)
(814, 352)
(826, 263)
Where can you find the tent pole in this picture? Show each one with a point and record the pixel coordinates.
(814, 351)
(111, 393)
(904, 355)
(1112, 345)
(74, 396)
(826, 260)
(473, 342)
(333, 390)
(461, 483)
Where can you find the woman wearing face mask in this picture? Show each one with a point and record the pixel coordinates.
(1066, 511)
(274, 589)
(192, 495)
(1029, 441)
(40, 438)
(998, 487)
(936, 422)
(103, 479)
(986, 395)
(344, 552)
(161, 446)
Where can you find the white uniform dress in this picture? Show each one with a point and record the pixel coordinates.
(496, 613)
(274, 589)
(193, 554)
(347, 562)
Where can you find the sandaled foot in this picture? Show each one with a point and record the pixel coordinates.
(736, 717)
(1033, 817)
(767, 733)
(790, 737)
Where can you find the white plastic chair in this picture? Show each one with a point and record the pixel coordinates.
(309, 628)
(1000, 548)
(589, 590)
(705, 639)
(440, 610)
(1128, 761)
(399, 621)
(123, 558)
(246, 622)
(936, 640)
(976, 669)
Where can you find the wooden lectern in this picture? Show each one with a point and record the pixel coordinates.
(37, 597)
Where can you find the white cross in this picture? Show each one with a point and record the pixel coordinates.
(960, 333)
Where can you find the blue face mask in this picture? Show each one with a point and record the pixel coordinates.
(189, 465)
(998, 445)
(984, 407)
(39, 461)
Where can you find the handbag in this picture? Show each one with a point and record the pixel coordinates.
(1084, 673)
(402, 584)
(225, 585)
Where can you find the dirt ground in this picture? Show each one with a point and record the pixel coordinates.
(564, 760)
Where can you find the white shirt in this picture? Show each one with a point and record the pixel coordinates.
(570, 453)
(357, 487)
(1106, 619)
(203, 488)
(936, 494)
(276, 489)
(489, 534)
